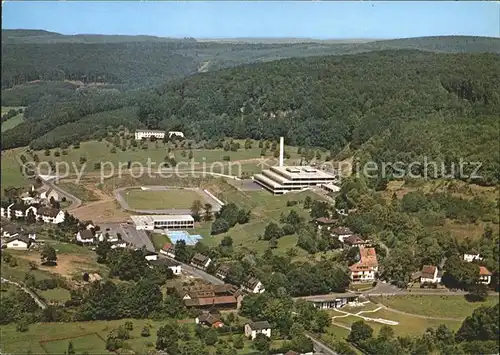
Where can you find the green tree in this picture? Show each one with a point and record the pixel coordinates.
(238, 342)
(70, 350)
(48, 255)
(360, 331)
(261, 343)
(386, 333)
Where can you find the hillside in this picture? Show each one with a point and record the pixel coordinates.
(377, 104)
(137, 61)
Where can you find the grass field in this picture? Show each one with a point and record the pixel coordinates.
(408, 325)
(91, 344)
(159, 240)
(55, 295)
(11, 122)
(164, 199)
(80, 191)
(11, 171)
(435, 305)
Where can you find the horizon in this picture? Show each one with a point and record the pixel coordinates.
(221, 20)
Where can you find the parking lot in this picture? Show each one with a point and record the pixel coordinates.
(129, 234)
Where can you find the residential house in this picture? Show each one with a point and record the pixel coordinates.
(33, 209)
(51, 215)
(484, 275)
(212, 296)
(17, 210)
(210, 318)
(342, 232)
(200, 261)
(171, 264)
(5, 209)
(254, 328)
(253, 285)
(367, 266)
(85, 236)
(355, 240)
(10, 230)
(168, 250)
(118, 244)
(324, 222)
(471, 257)
(150, 256)
(47, 194)
(18, 242)
(430, 274)
(223, 271)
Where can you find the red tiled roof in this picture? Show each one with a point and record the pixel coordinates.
(428, 271)
(368, 259)
(484, 271)
(211, 301)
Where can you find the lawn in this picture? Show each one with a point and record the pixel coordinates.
(11, 122)
(11, 171)
(164, 199)
(265, 208)
(435, 305)
(22, 343)
(55, 295)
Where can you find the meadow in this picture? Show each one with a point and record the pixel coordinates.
(435, 305)
(11, 172)
(14, 121)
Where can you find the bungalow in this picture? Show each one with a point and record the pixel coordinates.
(484, 275)
(341, 233)
(85, 236)
(471, 257)
(18, 242)
(254, 328)
(217, 302)
(200, 261)
(210, 318)
(367, 266)
(171, 264)
(253, 285)
(168, 250)
(323, 222)
(150, 256)
(51, 215)
(212, 296)
(332, 300)
(430, 274)
(222, 271)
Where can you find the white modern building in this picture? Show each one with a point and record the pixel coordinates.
(176, 134)
(282, 179)
(151, 222)
(147, 133)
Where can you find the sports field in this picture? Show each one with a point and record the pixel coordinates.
(161, 199)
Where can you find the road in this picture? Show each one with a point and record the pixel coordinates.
(196, 272)
(38, 301)
(75, 201)
(138, 238)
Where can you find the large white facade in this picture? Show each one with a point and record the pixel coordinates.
(147, 133)
(151, 222)
(282, 179)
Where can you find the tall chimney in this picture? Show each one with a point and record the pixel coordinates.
(282, 150)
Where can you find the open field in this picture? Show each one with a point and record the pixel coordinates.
(11, 171)
(435, 305)
(162, 199)
(407, 325)
(14, 121)
(79, 190)
(91, 344)
(101, 211)
(159, 240)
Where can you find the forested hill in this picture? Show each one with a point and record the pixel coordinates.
(389, 105)
(138, 61)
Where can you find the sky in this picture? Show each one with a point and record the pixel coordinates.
(271, 19)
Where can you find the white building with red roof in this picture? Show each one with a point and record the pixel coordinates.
(484, 275)
(367, 266)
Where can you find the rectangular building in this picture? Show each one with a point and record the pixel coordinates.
(151, 222)
(147, 133)
(282, 179)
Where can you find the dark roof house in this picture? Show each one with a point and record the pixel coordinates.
(48, 211)
(259, 325)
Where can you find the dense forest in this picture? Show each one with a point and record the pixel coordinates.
(134, 61)
(373, 105)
